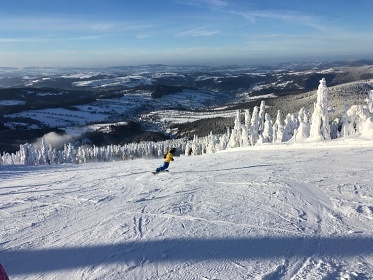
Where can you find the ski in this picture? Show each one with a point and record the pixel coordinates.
(155, 172)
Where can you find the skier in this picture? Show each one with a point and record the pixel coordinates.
(167, 159)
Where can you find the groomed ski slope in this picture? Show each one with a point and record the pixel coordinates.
(300, 211)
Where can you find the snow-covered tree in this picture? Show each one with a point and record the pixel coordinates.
(81, 155)
(344, 121)
(320, 129)
(370, 102)
(303, 131)
(43, 156)
(288, 128)
(246, 132)
(367, 128)
(235, 139)
(278, 128)
(254, 128)
(211, 143)
(69, 153)
(247, 118)
(261, 119)
(267, 135)
(196, 146)
(224, 140)
(356, 116)
(334, 133)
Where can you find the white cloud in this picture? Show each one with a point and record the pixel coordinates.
(77, 25)
(290, 16)
(212, 4)
(197, 32)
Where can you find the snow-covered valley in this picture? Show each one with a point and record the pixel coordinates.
(284, 211)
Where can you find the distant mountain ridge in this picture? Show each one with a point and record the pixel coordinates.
(34, 101)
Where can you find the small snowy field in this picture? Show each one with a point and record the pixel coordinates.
(300, 211)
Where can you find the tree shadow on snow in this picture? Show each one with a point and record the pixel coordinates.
(18, 262)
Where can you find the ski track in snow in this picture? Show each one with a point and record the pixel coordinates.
(294, 213)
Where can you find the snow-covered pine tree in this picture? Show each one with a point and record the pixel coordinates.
(303, 131)
(367, 128)
(196, 146)
(81, 155)
(262, 114)
(224, 140)
(344, 121)
(334, 133)
(245, 138)
(356, 116)
(370, 102)
(28, 155)
(267, 130)
(211, 142)
(320, 129)
(254, 128)
(69, 153)
(10, 159)
(288, 129)
(235, 139)
(246, 132)
(43, 152)
(278, 128)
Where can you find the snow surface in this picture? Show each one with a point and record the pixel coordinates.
(11, 102)
(299, 211)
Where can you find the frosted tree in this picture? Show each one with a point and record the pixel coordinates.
(278, 128)
(188, 149)
(320, 129)
(245, 137)
(344, 121)
(367, 127)
(247, 118)
(224, 140)
(9, 159)
(303, 131)
(370, 102)
(211, 143)
(261, 120)
(254, 128)
(334, 133)
(288, 129)
(267, 135)
(295, 122)
(235, 139)
(196, 146)
(81, 155)
(69, 153)
(43, 152)
(247, 129)
(356, 117)
(28, 155)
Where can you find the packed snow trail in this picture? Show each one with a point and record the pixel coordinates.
(273, 212)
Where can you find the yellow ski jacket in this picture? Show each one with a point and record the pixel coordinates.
(169, 157)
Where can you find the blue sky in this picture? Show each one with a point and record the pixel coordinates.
(131, 32)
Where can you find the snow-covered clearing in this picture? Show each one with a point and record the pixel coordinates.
(173, 116)
(301, 211)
